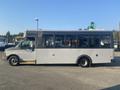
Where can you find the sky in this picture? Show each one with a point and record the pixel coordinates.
(19, 15)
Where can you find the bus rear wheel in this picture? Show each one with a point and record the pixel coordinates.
(84, 62)
(13, 60)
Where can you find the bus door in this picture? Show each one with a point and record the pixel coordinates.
(27, 50)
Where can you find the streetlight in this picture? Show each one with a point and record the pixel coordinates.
(37, 21)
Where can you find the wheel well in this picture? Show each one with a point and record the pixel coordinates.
(84, 56)
(12, 55)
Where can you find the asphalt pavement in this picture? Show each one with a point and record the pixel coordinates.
(59, 77)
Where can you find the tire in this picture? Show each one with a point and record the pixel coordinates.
(13, 60)
(84, 62)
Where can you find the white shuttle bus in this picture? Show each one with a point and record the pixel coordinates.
(63, 47)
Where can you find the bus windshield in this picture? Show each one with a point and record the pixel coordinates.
(26, 44)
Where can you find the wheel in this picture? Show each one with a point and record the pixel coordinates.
(84, 62)
(13, 60)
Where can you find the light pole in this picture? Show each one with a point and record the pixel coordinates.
(37, 21)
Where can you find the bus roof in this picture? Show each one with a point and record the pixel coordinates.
(66, 31)
(34, 33)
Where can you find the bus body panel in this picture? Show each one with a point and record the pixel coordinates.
(66, 56)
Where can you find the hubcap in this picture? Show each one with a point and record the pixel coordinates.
(14, 61)
(84, 62)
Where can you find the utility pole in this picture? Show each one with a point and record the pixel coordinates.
(37, 28)
(37, 21)
(119, 36)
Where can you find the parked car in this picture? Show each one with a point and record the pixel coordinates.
(2, 46)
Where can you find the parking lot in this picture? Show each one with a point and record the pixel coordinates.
(59, 77)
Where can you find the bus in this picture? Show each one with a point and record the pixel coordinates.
(83, 48)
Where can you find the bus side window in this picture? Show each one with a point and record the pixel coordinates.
(105, 42)
(94, 41)
(48, 41)
(67, 43)
(59, 41)
(70, 41)
(83, 42)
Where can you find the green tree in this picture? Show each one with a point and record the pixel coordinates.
(21, 34)
(92, 25)
(8, 36)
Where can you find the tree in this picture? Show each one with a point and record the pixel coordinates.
(92, 26)
(8, 36)
(21, 34)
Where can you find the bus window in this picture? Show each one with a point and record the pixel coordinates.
(95, 41)
(83, 42)
(70, 41)
(48, 41)
(59, 41)
(27, 44)
(105, 42)
(100, 42)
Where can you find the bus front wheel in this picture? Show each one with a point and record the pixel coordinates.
(13, 60)
(84, 62)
